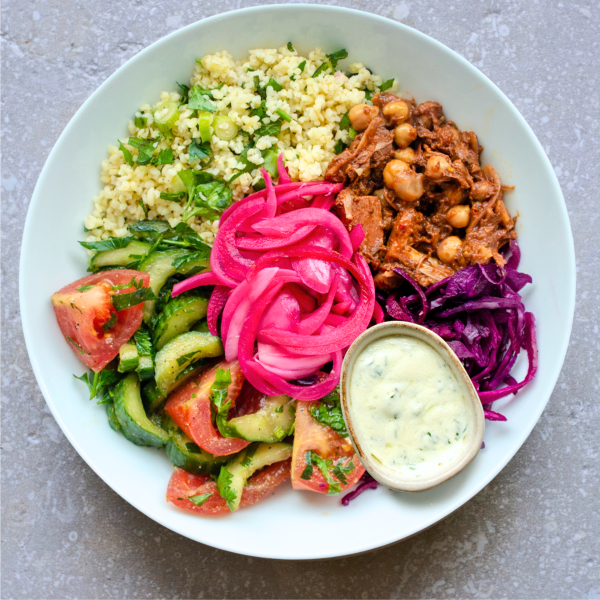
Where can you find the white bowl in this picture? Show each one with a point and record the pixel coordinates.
(51, 257)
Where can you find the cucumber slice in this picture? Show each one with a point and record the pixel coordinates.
(121, 257)
(180, 354)
(186, 455)
(112, 418)
(178, 317)
(273, 422)
(128, 358)
(166, 114)
(135, 425)
(159, 265)
(234, 476)
(152, 396)
(145, 368)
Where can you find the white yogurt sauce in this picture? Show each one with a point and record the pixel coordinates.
(408, 409)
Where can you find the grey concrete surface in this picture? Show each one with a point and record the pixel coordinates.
(534, 532)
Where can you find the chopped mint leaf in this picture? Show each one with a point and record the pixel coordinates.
(290, 47)
(339, 147)
(84, 288)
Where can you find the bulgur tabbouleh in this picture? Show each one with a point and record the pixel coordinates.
(308, 110)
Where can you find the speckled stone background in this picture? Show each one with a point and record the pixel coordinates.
(534, 532)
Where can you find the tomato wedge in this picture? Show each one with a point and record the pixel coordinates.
(84, 312)
(182, 485)
(189, 407)
(324, 441)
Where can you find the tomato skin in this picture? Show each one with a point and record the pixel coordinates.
(189, 407)
(182, 485)
(80, 316)
(310, 435)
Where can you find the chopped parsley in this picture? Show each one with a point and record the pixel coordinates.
(224, 486)
(85, 288)
(331, 63)
(102, 380)
(219, 403)
(126, 154)
(330, 472)
(112, 243)
(272, 129)
(199, 500)
(185, 90)
(198, 99)
(386, 85)
(173, 196)
(165, 157)
(110, 323)
(141, 294)
(76, 345)
(290, 47)
(328, 413)
(200, 151)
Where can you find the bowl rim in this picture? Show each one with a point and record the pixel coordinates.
(386, 475)
(251, 12)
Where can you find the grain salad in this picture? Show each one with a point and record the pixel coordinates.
(268, 103)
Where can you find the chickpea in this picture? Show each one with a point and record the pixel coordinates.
(459, 216)
(392, 169)
(397, 111)
(407, 155)
(449, 248)
(481, 190)
(404, 135)
(406, 183)
(437, 167)
(361, 115)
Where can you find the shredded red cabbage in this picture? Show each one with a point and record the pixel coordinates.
(480, 313)
(366, 482)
